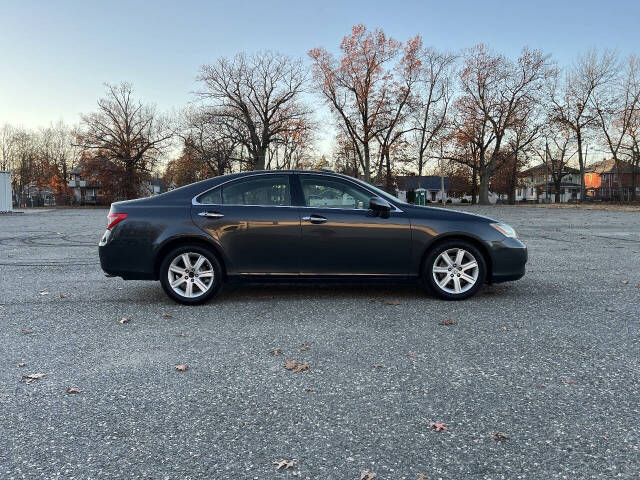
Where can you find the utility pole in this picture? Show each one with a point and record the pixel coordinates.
(442, 194)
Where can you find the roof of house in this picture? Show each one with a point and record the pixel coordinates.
(540, 169)
(429, 182)
(608, 165)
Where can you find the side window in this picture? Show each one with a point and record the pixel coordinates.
(330, 193)
(212, 197)
(262, 190)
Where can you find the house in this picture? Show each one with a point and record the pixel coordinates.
(84, 185)
(34, 195)
(601, 180)
(432, 184)
(537, 185)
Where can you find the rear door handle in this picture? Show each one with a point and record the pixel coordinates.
(211, 214)
(314, 219)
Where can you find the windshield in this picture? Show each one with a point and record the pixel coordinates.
(380, 192)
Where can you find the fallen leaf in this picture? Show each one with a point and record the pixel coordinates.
(124, 320)
(421, 476)
(570, 381)
(181, 334)
(448, 321)
(296, 366)
(367, 475)
(182, 367)
(499, 437)
(22, 364)
(283, 464)
(624, 282)
(26, 331)
(439, 426)
(411, 355)
(32, 377)
(377, 365)
(74, 390)
(43, 293)
(393, 302)
(166, 315)
(638, 285)
(275, 352)
(304, 347)
(504, 328)
(63, 295)
(308, 389)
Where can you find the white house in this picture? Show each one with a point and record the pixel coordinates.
(538, 186)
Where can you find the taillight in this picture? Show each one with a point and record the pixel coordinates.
(114, 218)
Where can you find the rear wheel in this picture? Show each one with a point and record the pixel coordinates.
(455, 270)
(191, 274)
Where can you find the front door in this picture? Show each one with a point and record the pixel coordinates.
(254, 222)
(342, 236)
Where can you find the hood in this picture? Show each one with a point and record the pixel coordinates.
(427, 211)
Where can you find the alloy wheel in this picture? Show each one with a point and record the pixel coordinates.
(455, 271)
(190, 274)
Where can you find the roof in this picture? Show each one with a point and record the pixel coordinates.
(608, 165)
(540, 169)
(429, 182)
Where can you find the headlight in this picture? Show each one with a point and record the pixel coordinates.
(505, 229)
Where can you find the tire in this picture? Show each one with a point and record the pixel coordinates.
(196, 287)
(459, 286)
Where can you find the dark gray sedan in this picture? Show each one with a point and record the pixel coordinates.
(291, 225)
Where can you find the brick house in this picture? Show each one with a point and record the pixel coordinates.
(601, 180)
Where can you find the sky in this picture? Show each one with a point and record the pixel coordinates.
(55, 56)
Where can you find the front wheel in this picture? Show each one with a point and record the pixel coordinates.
(191, 274)
(455, 270)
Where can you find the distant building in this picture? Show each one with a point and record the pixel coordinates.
(601, 180)
(6, 201)
(37, 196)
(538, 186)
(431, 184)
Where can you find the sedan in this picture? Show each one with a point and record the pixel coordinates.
(292, 225)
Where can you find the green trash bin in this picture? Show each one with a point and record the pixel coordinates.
(421, 196)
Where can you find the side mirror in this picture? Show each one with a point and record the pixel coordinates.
(377, 204)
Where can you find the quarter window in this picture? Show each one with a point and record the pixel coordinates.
(326, 192)
(262, 190)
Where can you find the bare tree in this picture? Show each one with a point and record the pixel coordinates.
(572, 99)
(555, 151)
(206, 136)
(432, 95)
(616, 108)
(357, 86)
(7, 146)
(127, 131)
(256, 98)
(497, 91)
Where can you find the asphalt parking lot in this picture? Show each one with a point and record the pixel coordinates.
(551, 362)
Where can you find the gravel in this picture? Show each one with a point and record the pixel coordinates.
(550, 361)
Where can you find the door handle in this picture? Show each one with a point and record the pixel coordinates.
(314, 219)
(211, 214)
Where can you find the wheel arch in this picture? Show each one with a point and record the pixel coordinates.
(176, 242)
(476, 242)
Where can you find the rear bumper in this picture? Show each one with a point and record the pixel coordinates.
(509, 260)
(117, 260)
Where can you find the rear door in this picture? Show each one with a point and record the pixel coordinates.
(342, 236)
(254, 221)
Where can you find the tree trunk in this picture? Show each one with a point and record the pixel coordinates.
(556, 184)
(581, 165)
(634, 178)
(130, 180)
(474, 186)
(367, 163)
(389, 179)
(483, 194)
(259, 160)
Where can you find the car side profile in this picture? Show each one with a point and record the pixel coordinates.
(290, 225)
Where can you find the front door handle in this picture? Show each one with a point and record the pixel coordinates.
(211, 214)
(314, 219)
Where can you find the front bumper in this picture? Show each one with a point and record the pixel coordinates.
(509, 257)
